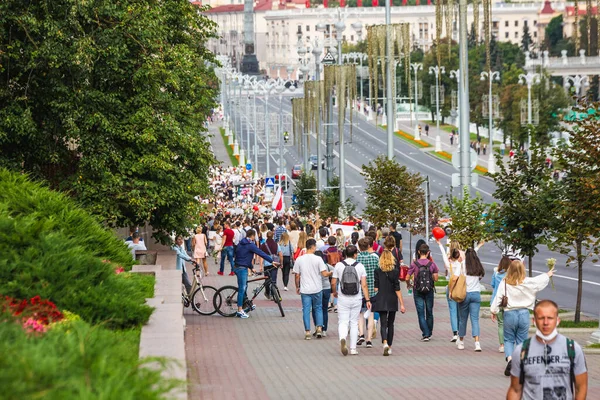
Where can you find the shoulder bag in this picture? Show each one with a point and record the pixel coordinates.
(458, 290)
(504, 299)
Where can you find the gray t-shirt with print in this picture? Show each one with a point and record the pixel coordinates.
(547, 369)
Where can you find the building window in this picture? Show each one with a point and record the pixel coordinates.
(506, 24)
(534, 23)
(352, 38)
(516, 23)
(516, 35)
(506, 35)
(423, 30)
(535, 34)
(307, 28)
(343, 38)
(525, 23)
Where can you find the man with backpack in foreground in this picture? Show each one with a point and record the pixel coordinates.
(353, 283)
(425, 275)
(551, 366)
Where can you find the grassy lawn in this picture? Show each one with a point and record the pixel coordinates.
(594, 346)
(486, 292)
(448, 158)
(448, 128)
(234, 160)
(580, 324)
(441, 283)
(485, 304)
(408, 138)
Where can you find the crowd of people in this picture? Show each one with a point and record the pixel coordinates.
(356, 270)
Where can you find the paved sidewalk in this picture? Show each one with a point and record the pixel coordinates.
(267, 357)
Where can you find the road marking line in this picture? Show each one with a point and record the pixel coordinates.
(556, 275)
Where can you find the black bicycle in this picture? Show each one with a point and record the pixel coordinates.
(225, 299)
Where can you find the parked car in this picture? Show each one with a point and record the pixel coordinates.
(296, 171)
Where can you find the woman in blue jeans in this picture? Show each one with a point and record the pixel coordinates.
(472, 303)
(454, 264)
(521, 292)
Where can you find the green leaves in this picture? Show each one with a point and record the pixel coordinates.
(106, 101)
(393, 193)
(306, 193)
(469, 219)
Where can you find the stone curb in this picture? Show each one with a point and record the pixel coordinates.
(163, 335)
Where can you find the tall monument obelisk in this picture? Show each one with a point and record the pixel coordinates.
(249, 62)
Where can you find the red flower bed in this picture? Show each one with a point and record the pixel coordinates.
(35, 314)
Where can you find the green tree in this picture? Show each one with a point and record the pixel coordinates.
(576, 222)
(526, 40)
(468, 223)
(106, 101)
(554, 32)
(306, 194)
(393, 193)
(330, 204)
(517, 183)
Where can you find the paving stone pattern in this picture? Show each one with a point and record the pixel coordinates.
(266, 356)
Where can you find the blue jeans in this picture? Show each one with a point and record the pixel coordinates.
(326, 294)
(242, 280)
(469, 307)
(453, 309)
(227, 251)
(272, 273)
(315, 302)
(516, 329)
(424, 305)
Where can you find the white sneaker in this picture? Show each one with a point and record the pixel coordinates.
(386, 350)
(460, 344)
(390, 351)
(285, 288)
(324, 333)
(501, 349)
(477, 346)
(454, 338)
(353, 352)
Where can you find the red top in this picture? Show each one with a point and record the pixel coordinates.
(228, 234)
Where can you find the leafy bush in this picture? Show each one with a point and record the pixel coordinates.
(52, 248)
(76, 361)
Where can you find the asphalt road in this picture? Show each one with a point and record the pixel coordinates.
(368, 142)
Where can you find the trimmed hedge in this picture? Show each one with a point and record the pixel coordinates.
(74, 361)
(52, 248)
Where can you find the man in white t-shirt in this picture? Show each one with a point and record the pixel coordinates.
(349, 305)
(309, 269)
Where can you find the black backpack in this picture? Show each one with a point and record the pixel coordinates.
(424, 280)
(350, 282)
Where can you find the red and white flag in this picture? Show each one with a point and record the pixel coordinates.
(278, 200)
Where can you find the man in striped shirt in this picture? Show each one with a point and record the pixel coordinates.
(370, 260)
(280, 229)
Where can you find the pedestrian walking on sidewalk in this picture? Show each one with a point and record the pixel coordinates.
(387, 287)
(484, 148)
(478, 147)
(551, 366)
(471, 306)
(499, 274)
(353, 283)
(370, 261)
(521, 292)
(454, 265)
(452, 137)
(309, 269)
(427, 129)
(287, 251)
(227, 250)
(425, 274)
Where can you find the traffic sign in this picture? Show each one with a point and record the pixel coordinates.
(270, 182)
(328, 59)
(248, 167)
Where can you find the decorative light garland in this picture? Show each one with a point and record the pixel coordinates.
(576, 31)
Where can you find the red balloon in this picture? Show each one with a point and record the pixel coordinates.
(438, 233)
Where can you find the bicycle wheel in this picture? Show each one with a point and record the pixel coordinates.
(203, 300)
(277, 298)
(225, 301)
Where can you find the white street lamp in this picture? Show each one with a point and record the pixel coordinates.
(490, 76)
(437, 70)
(529, 79)
(577, 82)
(416, 67)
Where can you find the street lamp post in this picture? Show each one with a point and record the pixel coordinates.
(317, 50)
(529, 79)
(388, 77)
(437, 70)
(577, 82)
(491, 76)
(416, 67)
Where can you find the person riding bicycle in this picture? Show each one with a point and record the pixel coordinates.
(286, 137)
(244, 254)
(182, 257)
